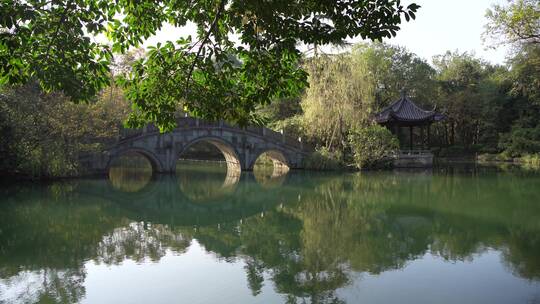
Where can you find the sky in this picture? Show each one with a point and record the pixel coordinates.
(440, 26)
(443, 25)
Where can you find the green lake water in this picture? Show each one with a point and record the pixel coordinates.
(464, 235)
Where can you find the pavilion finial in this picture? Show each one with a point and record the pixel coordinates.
(403, 92)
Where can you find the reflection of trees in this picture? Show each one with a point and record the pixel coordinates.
(357, 229)
(46, 240)
(378, 222)
(46, 235)
(45, 286)
(129, 180)
(310, 236)
(522, 254)
(138, 241)
(64, 232)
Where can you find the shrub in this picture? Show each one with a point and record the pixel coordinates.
(493, 157)
(42, 135)
(323, 159)
(521, 141)
(373, 147)
(531, 160)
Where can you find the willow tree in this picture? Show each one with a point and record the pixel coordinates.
(338, 99)
(245, 52)
(345, 90)
(394, 68)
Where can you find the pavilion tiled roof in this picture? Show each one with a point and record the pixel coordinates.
(405, 110)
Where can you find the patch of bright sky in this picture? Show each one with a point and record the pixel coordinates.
(440, 26)
(443, 25)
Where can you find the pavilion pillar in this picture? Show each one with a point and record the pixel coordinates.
(397, 132)
(411, 137)
(422, 137)
(428, 136)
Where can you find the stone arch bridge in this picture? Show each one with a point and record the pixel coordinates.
(240, 146)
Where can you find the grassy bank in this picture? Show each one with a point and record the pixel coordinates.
(531, 161)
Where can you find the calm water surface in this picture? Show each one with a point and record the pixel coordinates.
(206, 236)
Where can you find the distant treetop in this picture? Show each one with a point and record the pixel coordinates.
(517, 22)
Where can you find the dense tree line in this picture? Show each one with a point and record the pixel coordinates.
(43, 135)
(489, 108)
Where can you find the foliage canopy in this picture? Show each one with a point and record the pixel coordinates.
(347, 89)
(517, 22)
(245, 52)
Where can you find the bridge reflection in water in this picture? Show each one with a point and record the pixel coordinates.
(199, 180)
(204, 181)
(200, 193)
(130, 173)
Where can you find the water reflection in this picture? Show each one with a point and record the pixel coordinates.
(270, 176)
(310, 238)
(130, 172)
(270, 169)
(204, 181)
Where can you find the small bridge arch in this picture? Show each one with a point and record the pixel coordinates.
(153, 159)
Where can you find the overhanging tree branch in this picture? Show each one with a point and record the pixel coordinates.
(55, 35)
(203, 42)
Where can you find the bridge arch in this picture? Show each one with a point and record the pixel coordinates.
(268, 177)
(154, 161)
(278, 158)
(227, 149)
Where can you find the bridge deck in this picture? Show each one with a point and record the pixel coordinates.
(190, 123)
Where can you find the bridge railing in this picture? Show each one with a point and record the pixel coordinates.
(129, 133)
(190, 122)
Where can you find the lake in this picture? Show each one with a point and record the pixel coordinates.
(467, 235)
